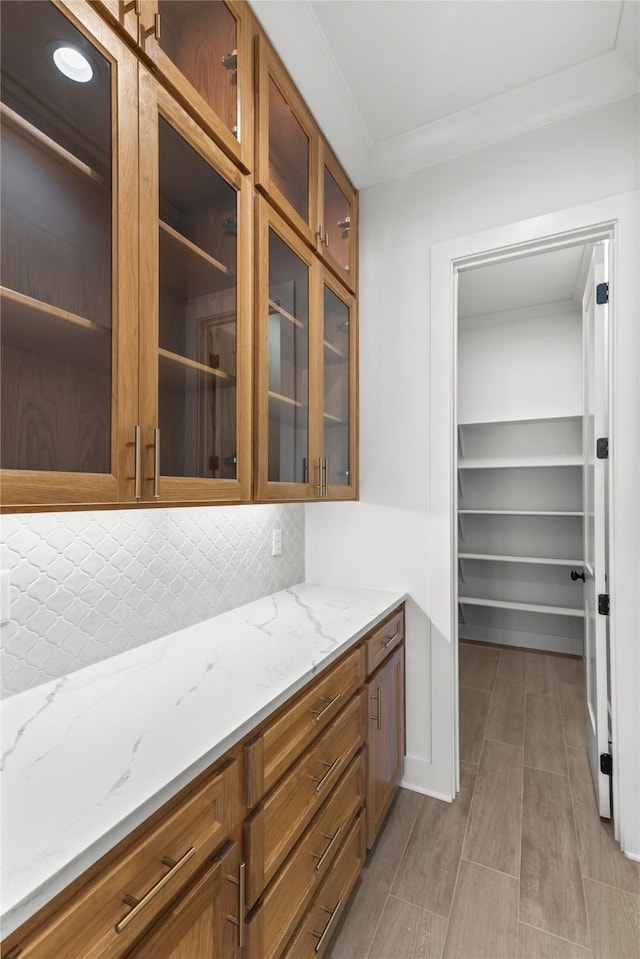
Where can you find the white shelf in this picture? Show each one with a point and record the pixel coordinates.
(518, 512)
(537, 560)
(522, 607)
(515, 422)
(521, 462)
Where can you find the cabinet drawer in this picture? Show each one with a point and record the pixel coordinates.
(314, 933)
(98, 922)
(274, 827)
(291, 890)
(269, 756)
(384, 640)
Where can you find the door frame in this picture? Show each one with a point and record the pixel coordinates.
(615, 218)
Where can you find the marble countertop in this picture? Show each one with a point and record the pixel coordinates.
(87, 758)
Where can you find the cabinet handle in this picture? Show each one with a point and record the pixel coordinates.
(239, 922)
(156, 463)
(387, 642)
(378, 701)
(319, 483)
(154, 30)
(132, 5)
(324, 855)
(322, 781)
(326, 239)
(325, 467)
(319, 713)
(139, 904)
(320, 234)
(305, 470)
(137, 461)
(330, 926)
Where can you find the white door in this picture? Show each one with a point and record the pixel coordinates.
(595, 318)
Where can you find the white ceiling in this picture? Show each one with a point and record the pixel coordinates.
(553, 277)
(401, 84)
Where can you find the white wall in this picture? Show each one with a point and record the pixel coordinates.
(383, 541)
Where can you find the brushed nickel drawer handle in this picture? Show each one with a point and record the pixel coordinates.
(319, 713)
(378, 700)
(387, 642)
(139, 904)
(322, 781)
(239, 922)
(324, 855)
(330, 926)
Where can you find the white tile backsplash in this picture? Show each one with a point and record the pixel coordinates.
(88, 585)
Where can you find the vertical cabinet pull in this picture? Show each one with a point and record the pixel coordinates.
(137, 461)
(132, 5)
(239, 922)
(325, 466)
(156, 463)
(152, 31)
(378, 701)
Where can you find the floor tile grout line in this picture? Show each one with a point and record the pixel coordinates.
(575, 833)
(524, 739)
(377, 926)
(415, 905)
(555, 935)
(501, 872)
(503, 742)
(627, 892)
(551, 772)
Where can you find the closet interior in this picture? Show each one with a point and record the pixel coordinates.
(520, 512)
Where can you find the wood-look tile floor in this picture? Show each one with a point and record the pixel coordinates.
(520, 866)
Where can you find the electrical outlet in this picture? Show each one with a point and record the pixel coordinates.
(276, 542)
(5, 597)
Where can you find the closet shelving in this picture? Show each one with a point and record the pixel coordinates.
(520, 531)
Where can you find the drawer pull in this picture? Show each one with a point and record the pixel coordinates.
(239, 922)
(322, 781)
(139, 904)
(387, 642)
(324, 855)
(334, 915)
(319, 713)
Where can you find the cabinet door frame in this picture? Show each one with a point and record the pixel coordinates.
(122, 15)
(335, 491)
(268, 219)
(240, 148)
(381, 786)
(269, 67)
(328, 159)
(156, 102)
(42, 489)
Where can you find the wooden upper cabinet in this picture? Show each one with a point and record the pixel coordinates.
(195, 310)
(287, 145)
(202, 50)
(306, 331)
(337, 235)
(69, 257)
(298, 171)
(124, 14)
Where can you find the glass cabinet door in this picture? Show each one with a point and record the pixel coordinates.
(338, 464)
(203, 49)
(69, 257)
(285, 431)
(193, 313)
(337, 233)
(287, 145)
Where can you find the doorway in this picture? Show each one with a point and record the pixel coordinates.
(532, 388)
(615, 219)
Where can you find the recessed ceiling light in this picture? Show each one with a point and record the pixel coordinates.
(73, 64)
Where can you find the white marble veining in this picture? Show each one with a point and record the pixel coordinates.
(87, 757)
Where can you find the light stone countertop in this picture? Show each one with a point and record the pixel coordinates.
(87, 758)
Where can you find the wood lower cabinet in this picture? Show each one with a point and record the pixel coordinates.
(385, 738)
(197, 882)
(206, 922)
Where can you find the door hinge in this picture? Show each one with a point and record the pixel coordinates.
(606, 764)
(602, 293)
(603, 604)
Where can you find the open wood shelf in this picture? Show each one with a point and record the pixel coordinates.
(13, 120)
(284, 409)
(522, 607)
(521, 462)
(517, 422)
(178, 373)
(275, 308)
(332, 420)
(537, 560)
(186, 271)
(33, 326)
(519, 512)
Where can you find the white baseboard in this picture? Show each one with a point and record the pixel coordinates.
(418, 777)
(633, 855)
(512, 637)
